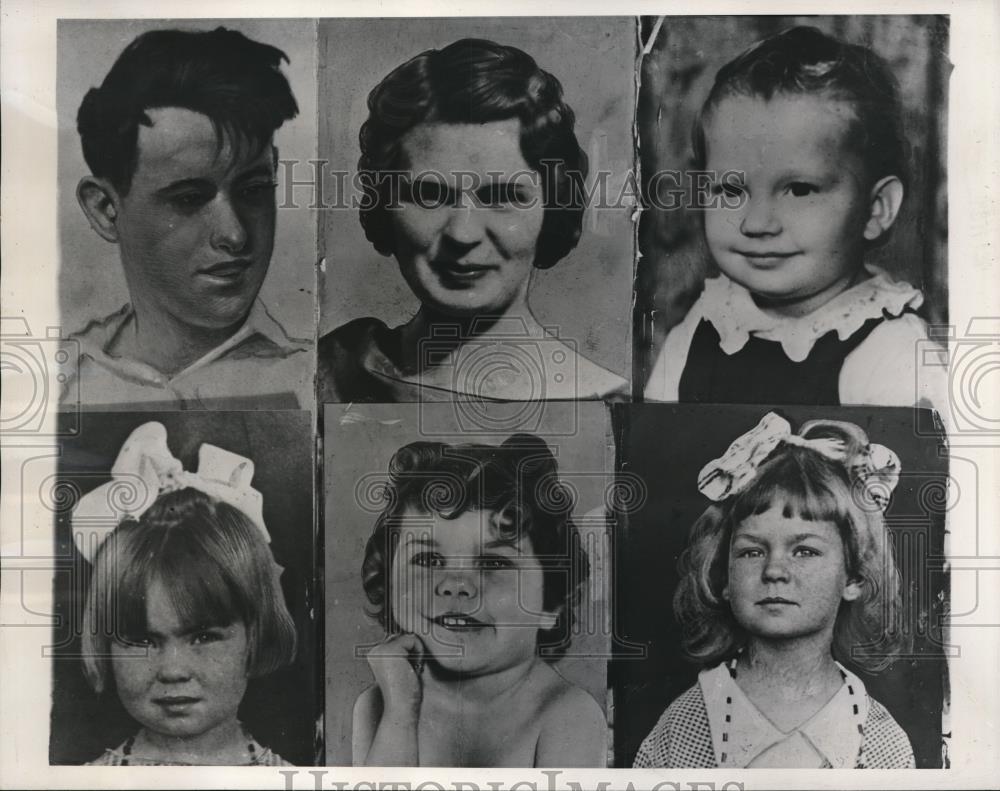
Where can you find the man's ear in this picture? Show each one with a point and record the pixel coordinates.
(99, 201)
(885, 199)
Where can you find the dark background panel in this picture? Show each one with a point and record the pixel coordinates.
(280, 710)
(666, 445)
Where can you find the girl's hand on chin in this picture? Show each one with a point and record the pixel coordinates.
(397, 665)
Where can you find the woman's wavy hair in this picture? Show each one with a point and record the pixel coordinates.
(810, 486)
(474, 81)
(804, 60)
(216, 569)
(518, 485)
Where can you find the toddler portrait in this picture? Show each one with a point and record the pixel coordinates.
(802, 141)
(185, 640)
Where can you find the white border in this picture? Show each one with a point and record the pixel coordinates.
(30, 254)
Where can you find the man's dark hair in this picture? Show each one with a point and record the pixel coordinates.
(222, 74)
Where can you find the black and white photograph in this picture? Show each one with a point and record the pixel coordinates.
(467, 613)
(185, 635)
(796, 243)
(786, 578)
(512, 397)
(181, 283)
(492, 253)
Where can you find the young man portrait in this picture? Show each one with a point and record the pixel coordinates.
(179, 141)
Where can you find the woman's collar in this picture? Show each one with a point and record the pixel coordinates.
(731, 310)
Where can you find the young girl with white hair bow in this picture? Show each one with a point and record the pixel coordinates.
(789, 570)
(184, 605)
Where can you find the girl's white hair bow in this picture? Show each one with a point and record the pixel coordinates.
(145, 469)
(732, 472)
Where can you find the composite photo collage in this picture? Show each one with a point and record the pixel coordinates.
(503, 392)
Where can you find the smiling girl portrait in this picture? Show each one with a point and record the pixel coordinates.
(476, 583)
(466, 574)
(475, 178)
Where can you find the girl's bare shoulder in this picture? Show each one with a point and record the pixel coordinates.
(572, 726)
(564, 700)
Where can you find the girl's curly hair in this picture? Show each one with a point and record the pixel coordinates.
(517, 484)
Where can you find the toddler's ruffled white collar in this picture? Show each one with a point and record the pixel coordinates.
(734, 314)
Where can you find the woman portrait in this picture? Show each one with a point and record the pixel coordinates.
(474, 181)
